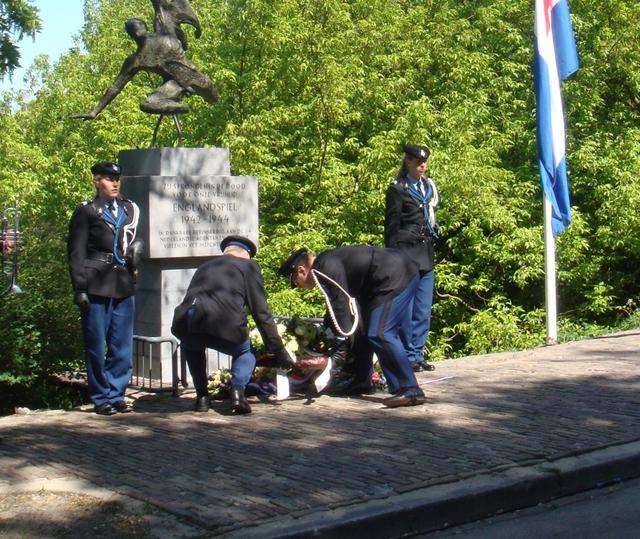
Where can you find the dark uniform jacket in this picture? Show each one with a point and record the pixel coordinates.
(404, 226)
(90, 251)
(219, 291)
(373, 275)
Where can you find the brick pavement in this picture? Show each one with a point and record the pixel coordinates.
(303, 457)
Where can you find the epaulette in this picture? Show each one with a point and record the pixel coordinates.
(401, 183)
(92, 204)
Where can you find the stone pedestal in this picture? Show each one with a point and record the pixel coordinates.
(188, 203)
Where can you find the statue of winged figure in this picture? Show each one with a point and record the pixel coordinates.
(170, 14)
(163, 52)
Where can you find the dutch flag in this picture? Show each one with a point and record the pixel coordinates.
(555, 59)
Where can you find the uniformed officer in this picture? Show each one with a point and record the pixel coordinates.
(102, 262)
(377, 285)
(410, 226)
(212, 315)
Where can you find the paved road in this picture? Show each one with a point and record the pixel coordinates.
(607, 513)
(500, 431)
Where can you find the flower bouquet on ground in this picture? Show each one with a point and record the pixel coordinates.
(262, 382)
(302, 338)
(305, 340)
(378, 380)
(220, 384)
(309, 342)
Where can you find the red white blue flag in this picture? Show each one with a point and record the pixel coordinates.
(555, 59)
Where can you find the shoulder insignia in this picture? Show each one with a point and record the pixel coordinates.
(402, 184)
(96, 207)
(83, 204)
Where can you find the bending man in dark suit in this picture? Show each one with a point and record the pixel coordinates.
(382, 282)
(212, 315)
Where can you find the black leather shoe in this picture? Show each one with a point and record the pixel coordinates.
(104, 409)
(239, 403)
(406, 397)
(354, 388)
(420, 397)
(421, 366)
(122, 407)
(203, 404)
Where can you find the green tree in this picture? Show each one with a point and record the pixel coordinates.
(18, 18)
(317, 100)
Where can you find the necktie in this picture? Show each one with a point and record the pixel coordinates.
(113, 208)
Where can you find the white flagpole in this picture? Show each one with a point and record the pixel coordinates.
(550, 276)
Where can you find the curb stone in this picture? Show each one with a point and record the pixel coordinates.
(455, 503)
(505, 431)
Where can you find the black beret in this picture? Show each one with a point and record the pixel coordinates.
(287, 267)
(419, 152)
(106, 167)
(239, 241)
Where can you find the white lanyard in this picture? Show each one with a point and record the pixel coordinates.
(353, 305)
(130, 229)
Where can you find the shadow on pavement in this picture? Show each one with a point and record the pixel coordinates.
(224, 472)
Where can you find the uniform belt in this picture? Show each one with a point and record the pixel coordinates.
(107, 258)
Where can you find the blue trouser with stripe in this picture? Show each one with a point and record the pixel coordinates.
(107, 326)
(384, 325)
(415, 333)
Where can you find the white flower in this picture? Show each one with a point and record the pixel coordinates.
(255, 332)
(292, 347)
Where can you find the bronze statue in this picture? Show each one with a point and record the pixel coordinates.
(161, 52)
(169, 15)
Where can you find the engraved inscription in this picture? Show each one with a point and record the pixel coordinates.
(190, 216)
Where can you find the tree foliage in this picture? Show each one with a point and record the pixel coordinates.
(317, 100)
(18, 18)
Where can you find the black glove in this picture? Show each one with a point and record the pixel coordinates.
(134, 254)
(82, 300)
(339, 354)
(284, 359)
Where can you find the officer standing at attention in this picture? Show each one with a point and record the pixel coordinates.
(212, 315)
(373, 283)
(103, 257)
(410, 226)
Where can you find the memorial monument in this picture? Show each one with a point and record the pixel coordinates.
(189, 200)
